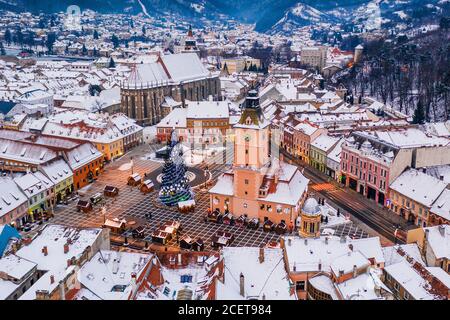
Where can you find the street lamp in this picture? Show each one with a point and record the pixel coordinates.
(206, 174)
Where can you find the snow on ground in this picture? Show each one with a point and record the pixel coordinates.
(191, 157)
(126, 166)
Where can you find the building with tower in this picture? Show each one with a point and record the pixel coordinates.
(259, 185)
(311, 214)
(190, 44)
(358, 53)
(175, 77)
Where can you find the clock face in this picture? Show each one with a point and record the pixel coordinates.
(247, 137)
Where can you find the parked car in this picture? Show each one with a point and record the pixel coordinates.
(96, 198)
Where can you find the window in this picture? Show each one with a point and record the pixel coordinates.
(245, 205)
(300, 285)
(396, 286)
(246, 181)
(406, 295)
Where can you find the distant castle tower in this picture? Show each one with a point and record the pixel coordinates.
(310, 219)
(358, 53)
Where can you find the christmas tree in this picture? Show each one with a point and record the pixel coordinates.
(174, 185)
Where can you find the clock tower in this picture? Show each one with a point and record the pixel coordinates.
(251, 155)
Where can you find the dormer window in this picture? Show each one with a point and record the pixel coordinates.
(248, 121)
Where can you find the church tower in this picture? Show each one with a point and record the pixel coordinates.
(190, 44)
(251, 155)
(311, 215)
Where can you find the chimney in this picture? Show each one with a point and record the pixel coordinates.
(320, 265)
(326, 240)
(241, 285)
(355, 271)
(264, 296)
(62, 291)
(179, 259)
(306, 241)
(424, 169)
(69, 262)
(441, 177)
(289, 241)
(66, 248)
(350, 246)
(343, 239)
(45, 250)
(52, 279)
(261, 254)
(294, 267)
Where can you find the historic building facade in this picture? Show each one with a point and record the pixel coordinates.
(259, 185)
(179, 76)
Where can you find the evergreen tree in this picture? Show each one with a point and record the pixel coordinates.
(19, 36)
(2, 49)
(419, 114)
(115, 41)
(8, 37)
(144, 31)
(84, 49)
(96, 34)
(51, 38)
(112, 63)
(174, 185)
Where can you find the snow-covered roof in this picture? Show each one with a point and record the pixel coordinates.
(441, 206)
(207, 109)
(224, 185)
(15, 266)
(175, 119)
(439, 241)
(57, 171)
(54, 237)
(184, 67)
(289, 192)
(396, 254)
(369, 248)
(410, 279)
(33, 183)
(407, 138)
(361, 287)
(418, 187)
(82, 155)
(25, 153)
(346, 262)
(305, 254)
(11, 197)
(268, 278)
(324, 284)
(111, 269)
(324, 142)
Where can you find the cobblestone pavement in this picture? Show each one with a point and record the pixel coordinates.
(132, 204)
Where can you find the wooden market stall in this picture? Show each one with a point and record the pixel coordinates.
(134, 180)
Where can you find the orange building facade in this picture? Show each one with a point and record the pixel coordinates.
(259, 185)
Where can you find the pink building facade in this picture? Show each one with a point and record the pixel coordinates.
(366, 170)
